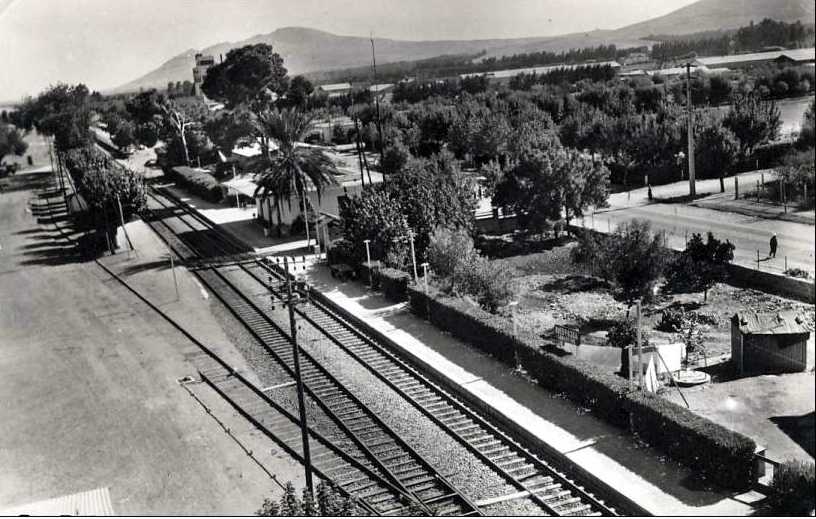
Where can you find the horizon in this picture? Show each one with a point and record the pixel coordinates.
(89, 41)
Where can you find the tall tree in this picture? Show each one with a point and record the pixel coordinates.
(546, 181)
(753, 120)
(11, 142)
(245, 74)
(701, 264)
(717, 150)
(63, 112)
(293, 169)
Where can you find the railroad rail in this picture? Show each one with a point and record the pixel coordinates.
(357, 429)
(534, 478)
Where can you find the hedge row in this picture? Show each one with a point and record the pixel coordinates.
(394, 284)
(720, 455)
(199, 183)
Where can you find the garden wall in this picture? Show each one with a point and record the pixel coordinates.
(722, 456)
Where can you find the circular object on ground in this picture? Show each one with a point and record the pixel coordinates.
(689, 377)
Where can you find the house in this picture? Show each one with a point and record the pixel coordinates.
(780, 342)
(348, 182)
(335, 89)
(324, 129)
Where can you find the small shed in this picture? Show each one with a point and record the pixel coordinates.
(780, 342)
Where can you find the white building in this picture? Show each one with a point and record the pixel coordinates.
(506, 75)
(335, 89)
(202, 65)
(349, 182)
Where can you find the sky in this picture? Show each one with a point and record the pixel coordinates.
(105, 43)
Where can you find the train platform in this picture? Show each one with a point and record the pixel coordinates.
(642, 474)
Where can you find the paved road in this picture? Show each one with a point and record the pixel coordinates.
(88, 392)
(750, 234)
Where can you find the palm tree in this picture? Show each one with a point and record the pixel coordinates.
(293, 168)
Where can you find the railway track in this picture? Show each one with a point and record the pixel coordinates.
(355, 429)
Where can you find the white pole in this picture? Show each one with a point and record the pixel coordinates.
(413, 255)
(237, 199)
(368, 260)
(639, 347)
(122, 219)
(425, 275)
(692, 187)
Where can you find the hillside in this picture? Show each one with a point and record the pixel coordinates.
(711, 15)
(309, 50)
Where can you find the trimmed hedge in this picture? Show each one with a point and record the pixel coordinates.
(199, 183)
(719, 454)
(792, 487)
(394, 284)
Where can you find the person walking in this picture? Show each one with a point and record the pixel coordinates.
(774, 244)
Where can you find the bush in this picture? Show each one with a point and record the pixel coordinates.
(341, 251)
(792, 488)
(721, 455)
(670, 320)
(797, 273)
(394, 284)
(199, 183)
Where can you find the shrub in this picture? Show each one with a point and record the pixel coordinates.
(341, 251)
(670, 320)
(701, 264)
(792, 488)
(329, 501)
(797, 273)
(199, 183)
(394, 284)
(632, 257)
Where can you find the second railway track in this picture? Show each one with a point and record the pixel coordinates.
(375, 447)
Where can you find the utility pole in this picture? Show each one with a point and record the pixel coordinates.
(639, 347)
(304, 430)
(692, 187)
(377, 103)
(413, 255)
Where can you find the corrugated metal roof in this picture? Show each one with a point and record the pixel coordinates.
(801, 54)
(335, 86)
(794, 54)
(539, 70)
(739, 58)
(92, 502)
(779, 323)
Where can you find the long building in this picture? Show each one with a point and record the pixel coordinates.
(507, 74)
(792, 56)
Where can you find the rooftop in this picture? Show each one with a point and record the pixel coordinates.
(779, 323)
(334, 87)
(498, 74)
(794, 54)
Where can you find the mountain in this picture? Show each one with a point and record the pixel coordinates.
(709, 15)
(309, 50)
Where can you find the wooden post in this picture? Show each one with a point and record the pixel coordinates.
(736, 188)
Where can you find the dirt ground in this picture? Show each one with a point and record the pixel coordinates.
(88, 380)
(552, 291)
